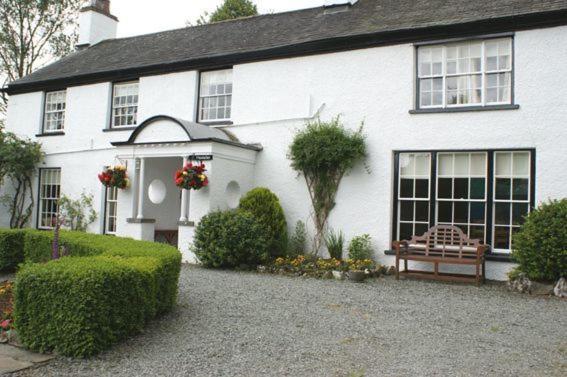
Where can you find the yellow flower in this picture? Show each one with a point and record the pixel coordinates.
(185, 173)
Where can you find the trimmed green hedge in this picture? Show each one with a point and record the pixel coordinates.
(106, 290)
(11, 247)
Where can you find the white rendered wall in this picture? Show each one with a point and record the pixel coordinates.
(272, 99)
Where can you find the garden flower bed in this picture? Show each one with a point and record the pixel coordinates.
(107, 289)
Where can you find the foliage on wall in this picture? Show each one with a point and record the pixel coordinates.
(323, 153)
(18, 161)
(77, 214)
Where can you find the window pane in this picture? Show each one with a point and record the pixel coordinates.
(461, 164)
(422, 211)
(420, 229)
(445, 164)
(521, 163)
(520, 189)
(503, 188)
(406, 210)
(422, 164)
(406, 188)
(478, 164)
(445, 188)
(406, 231)
(477, 213)
(477, 232)
(502, 213)
(461, 214)
(501, 237)
(444, 212)
(519, 211)
(461, 190)
(477, 188)
(421, 188)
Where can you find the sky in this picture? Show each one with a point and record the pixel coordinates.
(148, 16)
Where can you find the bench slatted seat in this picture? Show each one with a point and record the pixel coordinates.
(442, 244)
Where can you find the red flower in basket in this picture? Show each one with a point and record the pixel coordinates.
(191, 177)
(115, 176)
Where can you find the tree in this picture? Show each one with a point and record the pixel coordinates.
(31, 33)
(18, 160)
(229, 10)
(324, 152)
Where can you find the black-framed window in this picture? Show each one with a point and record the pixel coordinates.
(215, 96)
(54, 111)
(486, 193)
(49, 194)
(465, 74)
(125, 104)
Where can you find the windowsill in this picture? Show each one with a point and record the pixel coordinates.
(217, 123)
(493, 257)
(464, 109)
(58, 133)
(114, 129)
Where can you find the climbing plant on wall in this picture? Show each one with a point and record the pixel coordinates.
(323, 152)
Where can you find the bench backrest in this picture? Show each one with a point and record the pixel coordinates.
(445, 241)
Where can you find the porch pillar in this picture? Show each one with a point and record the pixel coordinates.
(141, 179)
(184, 196)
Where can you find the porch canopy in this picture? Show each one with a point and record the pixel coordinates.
(159, 146)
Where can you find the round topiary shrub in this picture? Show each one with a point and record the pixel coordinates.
(540, 247)
(266, 208)
(230, 239)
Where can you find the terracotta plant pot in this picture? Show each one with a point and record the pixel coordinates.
(356, 276)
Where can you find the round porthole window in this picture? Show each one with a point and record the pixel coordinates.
(232, 194)
(157, 191)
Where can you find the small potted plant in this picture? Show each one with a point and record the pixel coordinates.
(335, 246)
(359, 269)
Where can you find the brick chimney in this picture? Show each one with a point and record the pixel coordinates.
(96, 23)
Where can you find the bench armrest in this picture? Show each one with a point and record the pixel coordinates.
(400, 246)
(481, 250)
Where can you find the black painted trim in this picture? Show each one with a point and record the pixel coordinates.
(343, 43)
(140, 221)
(211, 123)
(40, 170)
(463, 39)
(186, 223)
(115, 129)
(42, 130)
(221, 123)
(252, 147)
(114, 83)
(395, 202)
(44, 134)
(463, 109)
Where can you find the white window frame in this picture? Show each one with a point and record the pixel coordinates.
(511, 201)
(110, 210)
(483, 73)
(134, 91)
(48, 197)
(206, 96)
(54, 107)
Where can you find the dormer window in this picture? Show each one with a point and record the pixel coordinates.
(475, 73)
(125, 104)
(54, 112)
(215, 96)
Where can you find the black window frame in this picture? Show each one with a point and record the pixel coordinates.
(433, 181)
(198, 104)
(111, 126)
(38, 205)
(42, 131)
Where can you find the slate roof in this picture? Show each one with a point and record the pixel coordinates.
(291, 33)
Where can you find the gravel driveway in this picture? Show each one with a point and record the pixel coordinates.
(248, 324)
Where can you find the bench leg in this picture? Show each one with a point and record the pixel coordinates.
(483, 271)
(436, 268)
(477, 275)
(405, 265)
(397, 268)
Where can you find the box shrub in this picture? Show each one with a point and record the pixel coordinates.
(230, 239)
(540, 247)
(360, 248)
(266, 207)
(11, 246)
(106, 289)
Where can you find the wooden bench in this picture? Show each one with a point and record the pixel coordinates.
(442, 244)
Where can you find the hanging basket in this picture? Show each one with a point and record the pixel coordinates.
(192, 176)
(115, 176)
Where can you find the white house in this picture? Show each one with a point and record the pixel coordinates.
(464, 105)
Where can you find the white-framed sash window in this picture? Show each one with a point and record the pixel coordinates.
(467, 73)
(125, 104)
(110, 210)
(49, 195)
(215, 96)
(54, 111)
